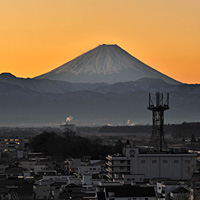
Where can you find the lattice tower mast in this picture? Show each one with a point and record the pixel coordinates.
(157, 137)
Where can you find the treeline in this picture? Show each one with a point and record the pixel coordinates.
(126, 129)
(176, 130)
(71, 145)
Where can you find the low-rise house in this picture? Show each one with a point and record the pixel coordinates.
(47, 172)
(4, 193)
(42, 191)
(89, 169)
(27, 164)
(24, 192)
(180, 193)
(72, 165)
(71, 191)
(14, 172)
(38, 168)
(57, 178)
(3, 167)
(173, 190)
(16, 189)
(56, 189)
(91, 179)
(127, 193)
(49, 163)
(74, 180)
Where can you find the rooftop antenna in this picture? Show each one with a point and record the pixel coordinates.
(157, 137)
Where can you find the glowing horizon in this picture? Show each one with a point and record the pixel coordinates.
(39, 36)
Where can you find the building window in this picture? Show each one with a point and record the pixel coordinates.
(154, 161)
(165, 161)
(176, 161)
(122, 161)
(143, 161)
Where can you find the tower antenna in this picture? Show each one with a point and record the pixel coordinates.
(157, 137)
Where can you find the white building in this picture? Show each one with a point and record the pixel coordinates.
(91, 179)
(90, 169)
(136, 165)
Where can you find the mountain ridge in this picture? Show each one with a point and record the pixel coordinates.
(45, 102)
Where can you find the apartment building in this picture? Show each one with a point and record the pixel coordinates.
(11, 143)
(136, 165)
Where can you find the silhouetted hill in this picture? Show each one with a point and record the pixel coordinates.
(46, 102)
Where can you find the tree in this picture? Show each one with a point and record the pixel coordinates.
(193, 138)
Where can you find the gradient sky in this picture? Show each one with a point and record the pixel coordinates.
(37, 36)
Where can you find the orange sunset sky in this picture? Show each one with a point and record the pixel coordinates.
(37, 36)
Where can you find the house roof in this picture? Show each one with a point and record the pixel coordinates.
(73, 185)
(101, 196)
(17, 182)
(23, 191)
(130, 191)
(180, 190)
(57, 184)
(64, 195)
(14, 170)
(3, 190)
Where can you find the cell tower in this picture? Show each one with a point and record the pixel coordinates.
(157, 137)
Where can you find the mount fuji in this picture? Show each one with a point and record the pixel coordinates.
(105, 63)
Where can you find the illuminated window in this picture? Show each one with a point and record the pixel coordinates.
(11, 139)
(16, 139)
(17, 142)
(5, 139)
(5, 149)
(7, 143)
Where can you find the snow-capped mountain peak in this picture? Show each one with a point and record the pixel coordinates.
(105, 63)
